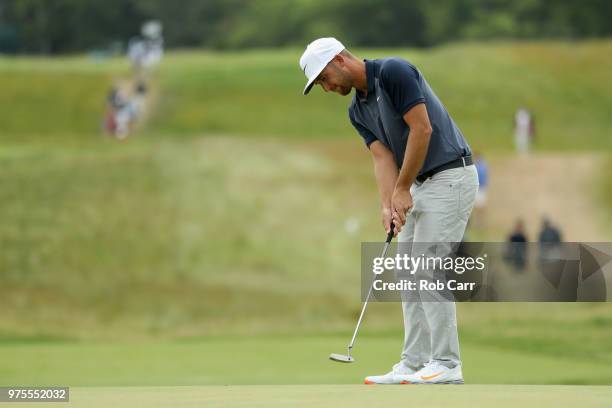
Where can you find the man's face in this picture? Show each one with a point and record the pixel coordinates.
(333, 78)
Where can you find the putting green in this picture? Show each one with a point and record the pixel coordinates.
(269, 360)
(352, 396)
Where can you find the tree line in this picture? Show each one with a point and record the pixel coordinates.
(67, 26)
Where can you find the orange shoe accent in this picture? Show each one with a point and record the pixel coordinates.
(429, 377)
(368, 382)
(405, 382)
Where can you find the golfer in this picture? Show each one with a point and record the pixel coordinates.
(426, 180)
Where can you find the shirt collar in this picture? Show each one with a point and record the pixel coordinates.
(371, 68)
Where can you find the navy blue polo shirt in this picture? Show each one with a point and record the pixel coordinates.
(394, 87)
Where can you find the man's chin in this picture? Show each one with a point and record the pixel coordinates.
(344, 91)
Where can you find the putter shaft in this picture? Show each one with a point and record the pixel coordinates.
(365, 304)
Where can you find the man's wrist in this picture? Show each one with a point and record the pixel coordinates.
(403, 185)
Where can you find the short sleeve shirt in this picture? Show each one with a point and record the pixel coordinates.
(394, 87)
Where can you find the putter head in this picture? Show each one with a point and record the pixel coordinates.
(341, 358)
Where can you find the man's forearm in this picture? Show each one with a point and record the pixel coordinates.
(414, 157)
(386, 177)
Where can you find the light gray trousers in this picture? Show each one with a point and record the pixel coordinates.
(441, 209)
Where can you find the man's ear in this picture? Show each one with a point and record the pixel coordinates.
(339, 59)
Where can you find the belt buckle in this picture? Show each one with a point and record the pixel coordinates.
(463, 160)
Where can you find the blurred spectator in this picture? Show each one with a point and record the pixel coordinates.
(144, 53)
(137, 101)
(483, 181)
(123, 115)
(114, 98)
(549, 242)
(524, 130)
(516, 253)
(125, 108)
(549, 233)
(136, 53)
(115, 102)
(141, 88)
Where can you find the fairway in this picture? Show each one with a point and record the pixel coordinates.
(457, 396)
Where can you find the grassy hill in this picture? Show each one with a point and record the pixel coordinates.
(257, 93)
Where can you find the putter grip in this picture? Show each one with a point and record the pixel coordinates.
(390, 234)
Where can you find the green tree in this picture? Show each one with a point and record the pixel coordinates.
(59, 26)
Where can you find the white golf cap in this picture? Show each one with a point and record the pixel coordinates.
(317, 55)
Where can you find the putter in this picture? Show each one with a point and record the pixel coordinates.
(341, 358)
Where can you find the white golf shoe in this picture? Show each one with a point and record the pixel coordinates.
(434, 373)
(394, 376)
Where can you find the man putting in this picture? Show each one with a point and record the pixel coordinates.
(426, 180)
